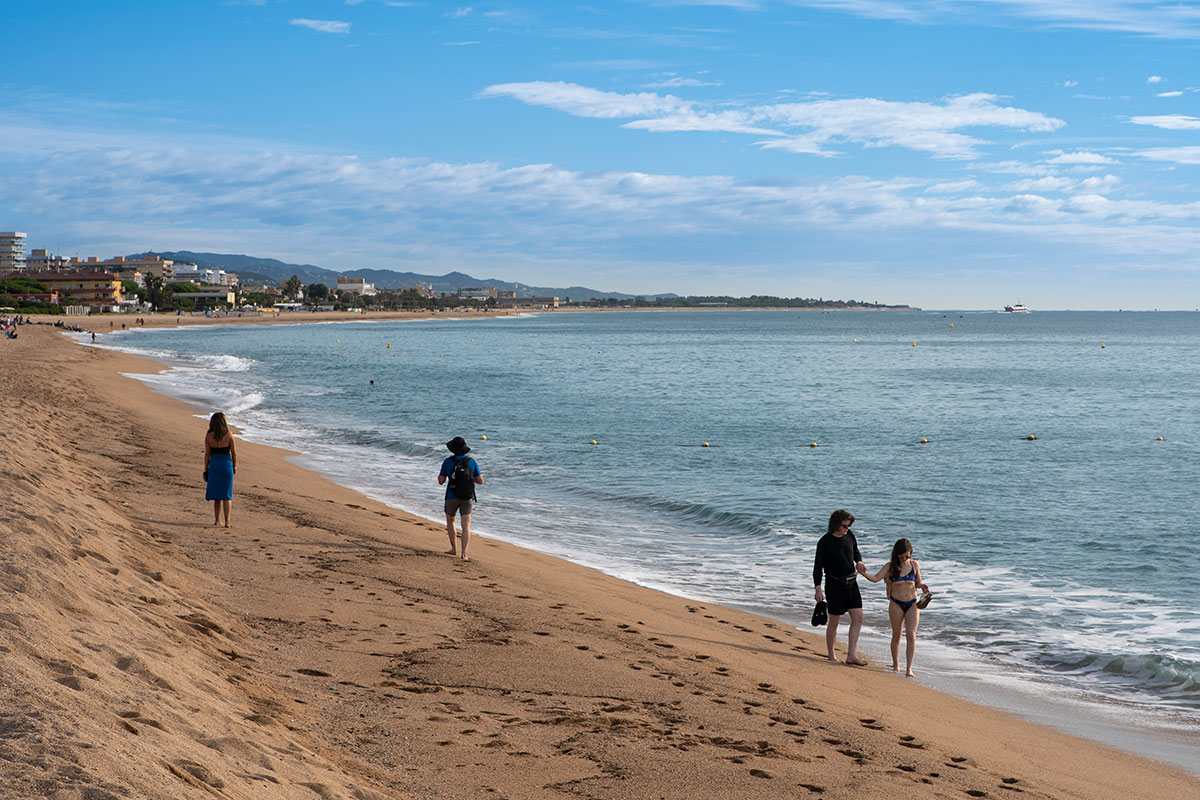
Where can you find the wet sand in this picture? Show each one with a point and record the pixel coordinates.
(325, 647)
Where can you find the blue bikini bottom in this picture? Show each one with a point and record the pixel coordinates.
(905, 605)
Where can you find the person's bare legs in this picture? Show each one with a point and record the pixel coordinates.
(831, 635)
(896, 616)
(464, 522)
(216, 512)
(226, 506)
(856, 621)
(911, 618)
(453, 551)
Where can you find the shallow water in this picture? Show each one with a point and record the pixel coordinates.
(1064, 563)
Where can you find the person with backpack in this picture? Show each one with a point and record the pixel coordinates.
(460, 475)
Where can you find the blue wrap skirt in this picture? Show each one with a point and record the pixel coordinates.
(220, 477)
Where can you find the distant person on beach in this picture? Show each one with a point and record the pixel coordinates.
(220, 463)
(459, 474)
(839, 561)
(902, 577)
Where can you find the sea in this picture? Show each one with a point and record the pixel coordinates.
(1044, 465)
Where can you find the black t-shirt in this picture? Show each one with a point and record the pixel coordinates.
(836, 556)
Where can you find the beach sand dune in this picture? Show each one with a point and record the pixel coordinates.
(325, 648)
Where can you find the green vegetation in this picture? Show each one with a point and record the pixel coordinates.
(20, 285)
(754, 301)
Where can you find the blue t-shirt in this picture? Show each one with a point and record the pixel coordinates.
(448, 467)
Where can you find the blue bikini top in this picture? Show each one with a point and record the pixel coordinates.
(911, 576)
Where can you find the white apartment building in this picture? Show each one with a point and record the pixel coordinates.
(42, 260)
(358, 285)
(196, 274)
(477, 293)
(12, 251)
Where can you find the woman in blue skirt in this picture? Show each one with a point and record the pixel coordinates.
(220, 462)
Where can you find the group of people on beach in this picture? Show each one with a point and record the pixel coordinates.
(460, 475)
(840, 562)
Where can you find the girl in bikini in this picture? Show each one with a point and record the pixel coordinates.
(902, 576)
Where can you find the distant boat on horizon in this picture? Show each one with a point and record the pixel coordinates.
(1017, 309)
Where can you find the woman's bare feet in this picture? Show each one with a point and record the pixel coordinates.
(856, 662)
(451, 552)
(911, 674)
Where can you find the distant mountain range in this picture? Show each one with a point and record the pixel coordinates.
(271, 271)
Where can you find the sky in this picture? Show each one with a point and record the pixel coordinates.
(938, 153)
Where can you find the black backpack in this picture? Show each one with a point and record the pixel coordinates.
(462, 482)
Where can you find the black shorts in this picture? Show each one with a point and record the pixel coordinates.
(842, 595)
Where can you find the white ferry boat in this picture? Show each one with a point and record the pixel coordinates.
(1017, 309)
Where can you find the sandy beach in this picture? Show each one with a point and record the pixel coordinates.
(325, 647)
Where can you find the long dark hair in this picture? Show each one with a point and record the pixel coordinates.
(218, 427)
(901, 547)
(838, 517)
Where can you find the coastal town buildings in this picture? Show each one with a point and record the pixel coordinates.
(197, 274)
(147, 265)
(478, 293)
(358, 285)
(40, 260)
(528, 302)
(207, 295)
(12, 251)
(96, 289)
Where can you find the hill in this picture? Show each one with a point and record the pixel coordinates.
(252, 270)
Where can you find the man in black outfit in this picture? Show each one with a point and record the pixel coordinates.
(838, 558)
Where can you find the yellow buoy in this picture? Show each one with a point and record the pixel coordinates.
(951, 324)
(593, 441)
(854, 340)
(1159, 439)
(924, 441)
(1102, 345)
(339, 341)
(704, 444)
(389, 347)
(1031, 437)
(484, 438)
(812, 444)
(914, 344)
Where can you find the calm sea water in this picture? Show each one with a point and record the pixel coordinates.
(1066, 564)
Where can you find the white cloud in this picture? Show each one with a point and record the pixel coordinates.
(459, 13)
(459, 44)
(1079, 157)
(1154, 79)
(583, 101)
(1178, 155)
(1069, 84)
(1169, 94)
(677, 82)
(955, 187)
(1170, 122)
(1059, 184)
(323, 25)
(807, 127)
(1147, 17)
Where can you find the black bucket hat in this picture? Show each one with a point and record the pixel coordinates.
(458, 446)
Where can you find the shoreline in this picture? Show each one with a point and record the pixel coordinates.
(325, 642)
(1089, 717)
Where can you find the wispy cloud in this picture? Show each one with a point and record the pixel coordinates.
(1169, 94)
(676, 82)
(1079, 157)
(323, 25)
(1142, 17)
(806, 128)
(438, 215)
(459, 13)
(1170, 122)
(1154, 79)
(1178, 155)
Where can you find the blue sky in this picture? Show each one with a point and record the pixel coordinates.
(941, 153)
